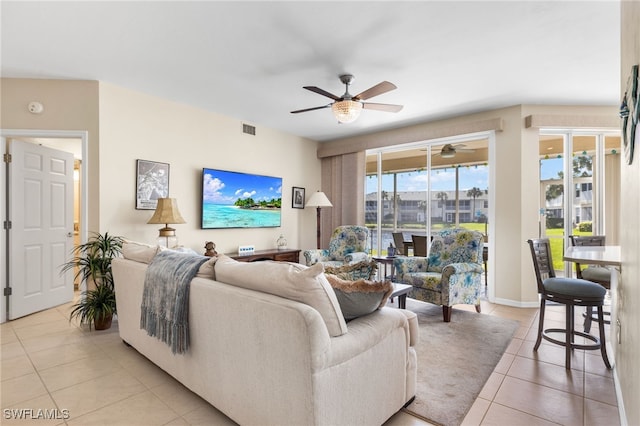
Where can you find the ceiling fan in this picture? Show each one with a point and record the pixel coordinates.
(347, 108)
(449, 151)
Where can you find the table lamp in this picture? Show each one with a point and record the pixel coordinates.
(167, 212)
(319, 200)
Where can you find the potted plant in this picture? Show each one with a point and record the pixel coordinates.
(96, 307)
(92, 263)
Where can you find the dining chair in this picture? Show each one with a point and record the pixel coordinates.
(570, 292)
(419, 245)
(398, 240)
(593, 273)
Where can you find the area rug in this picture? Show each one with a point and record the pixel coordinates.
(455, 360)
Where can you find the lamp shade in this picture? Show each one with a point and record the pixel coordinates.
(346, 111)
(167, 212)
(319, 199)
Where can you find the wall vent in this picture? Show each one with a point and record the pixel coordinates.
(249, 130)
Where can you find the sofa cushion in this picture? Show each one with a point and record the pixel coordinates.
(293, 281)
(139, 252)
(360, 297)
(206, 269)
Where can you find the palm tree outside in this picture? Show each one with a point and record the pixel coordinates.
(442, 197)
(474, 193)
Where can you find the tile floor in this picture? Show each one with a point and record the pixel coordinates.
(92, 378)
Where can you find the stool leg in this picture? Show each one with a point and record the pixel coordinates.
(587, 319)
(540, 325)
(568, 336)
(603, 340)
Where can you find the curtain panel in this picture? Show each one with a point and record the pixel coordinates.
(343, 182)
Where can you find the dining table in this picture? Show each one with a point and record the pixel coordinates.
(609, 257)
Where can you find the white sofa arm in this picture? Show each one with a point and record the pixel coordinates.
(414, 333)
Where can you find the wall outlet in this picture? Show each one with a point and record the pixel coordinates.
(246, 249)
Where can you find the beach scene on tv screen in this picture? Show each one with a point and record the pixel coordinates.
(240, 200)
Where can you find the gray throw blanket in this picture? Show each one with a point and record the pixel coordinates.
(165, 300)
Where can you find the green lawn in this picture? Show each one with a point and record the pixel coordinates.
(554, 235)
(557, 249)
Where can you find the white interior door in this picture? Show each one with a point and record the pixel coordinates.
(41, 234)
(3, 234)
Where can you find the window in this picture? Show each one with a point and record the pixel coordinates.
(414, 189)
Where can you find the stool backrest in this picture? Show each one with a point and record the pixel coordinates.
(587, 240)
(542, 261)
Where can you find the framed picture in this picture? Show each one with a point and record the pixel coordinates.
(152, 182)
(297, 198)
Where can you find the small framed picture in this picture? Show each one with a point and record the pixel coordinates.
(152, 182)
(297, 198)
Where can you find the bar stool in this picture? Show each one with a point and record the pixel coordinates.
(570, 292)
(596, 274)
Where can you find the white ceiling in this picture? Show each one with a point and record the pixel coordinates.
(249, 60)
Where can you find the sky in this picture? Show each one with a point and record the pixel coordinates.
(441, 180)
(444, 179)
(223, 187)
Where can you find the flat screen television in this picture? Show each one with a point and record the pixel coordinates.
(240, 200)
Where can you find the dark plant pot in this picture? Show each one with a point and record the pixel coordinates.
(103, 323)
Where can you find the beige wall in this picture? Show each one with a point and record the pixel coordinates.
(68, 105)
(628, 351)
(138, 126)
(516, 170)
(130, 126)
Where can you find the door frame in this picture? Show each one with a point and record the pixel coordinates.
(83, 135)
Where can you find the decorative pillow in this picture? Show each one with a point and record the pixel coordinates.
(293, 281)
(361, 297)
(354, 271)
(207, 270)
(139, 252)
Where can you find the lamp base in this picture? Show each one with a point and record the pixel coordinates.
(167, 237)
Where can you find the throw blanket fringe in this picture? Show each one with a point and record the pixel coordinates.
(165, 301)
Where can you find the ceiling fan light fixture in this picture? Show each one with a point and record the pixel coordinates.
(346, 111)
(447, 154)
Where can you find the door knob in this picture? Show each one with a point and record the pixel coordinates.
(69, 234)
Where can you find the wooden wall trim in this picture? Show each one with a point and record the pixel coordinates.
(572, 121)
(415, 133)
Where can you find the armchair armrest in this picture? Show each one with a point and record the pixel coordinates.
(315, 255)
(356, 256)
(404, 265)
(461, 268)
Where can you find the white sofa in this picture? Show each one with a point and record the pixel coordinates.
(263, 359)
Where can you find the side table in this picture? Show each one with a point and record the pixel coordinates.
(400, 291)
(386, 261)
(281, 255)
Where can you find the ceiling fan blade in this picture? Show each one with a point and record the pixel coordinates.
(465, 150)
(376, 90)
(322, 92)
(310, 109)
(382, 107)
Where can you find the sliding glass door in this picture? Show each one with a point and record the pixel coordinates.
(575, 160)
(424, 187)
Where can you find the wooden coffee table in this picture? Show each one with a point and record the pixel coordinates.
(400, 291)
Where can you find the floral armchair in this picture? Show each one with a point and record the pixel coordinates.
(348, 244)
(451, 273)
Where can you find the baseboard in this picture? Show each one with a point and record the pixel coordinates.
(621, 412)
(516, 303)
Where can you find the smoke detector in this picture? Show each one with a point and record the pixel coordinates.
(35, 107)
